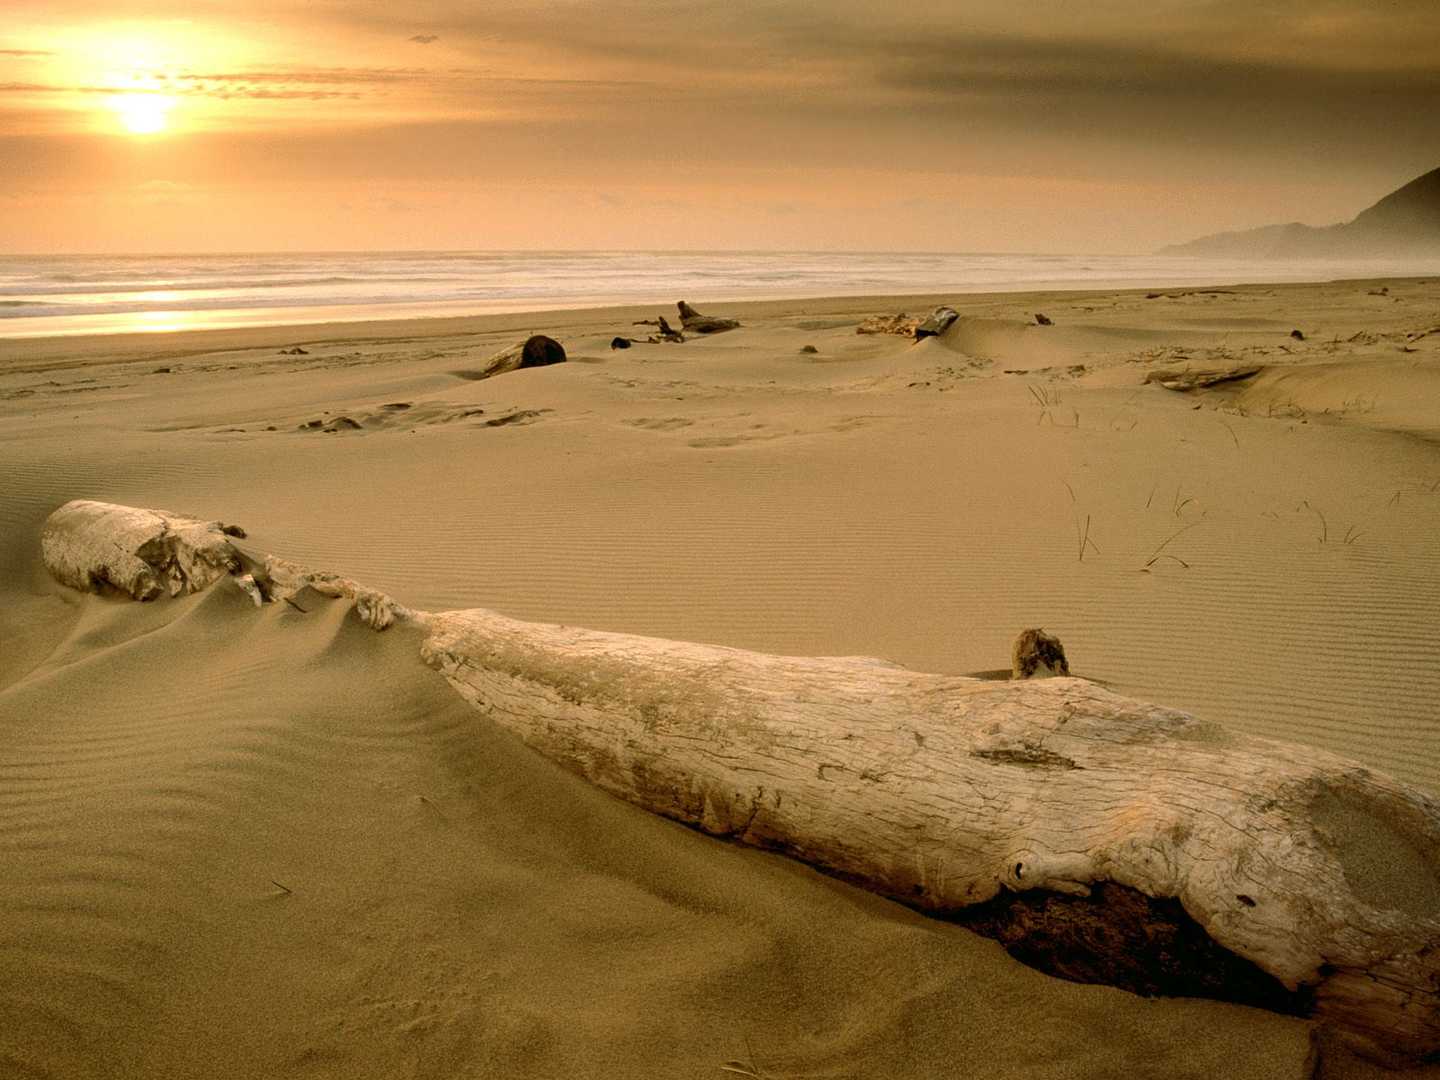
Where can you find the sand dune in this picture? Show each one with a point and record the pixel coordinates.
(294, 853)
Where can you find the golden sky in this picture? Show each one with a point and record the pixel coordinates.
(1106, 126)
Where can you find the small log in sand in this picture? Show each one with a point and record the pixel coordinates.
(940, 320)
(1052, 811)
(692, 322)
(1187, 379)
(535, 351)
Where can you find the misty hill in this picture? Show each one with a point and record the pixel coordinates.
(1405, 222)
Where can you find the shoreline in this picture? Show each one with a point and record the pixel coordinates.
(88, 296)
(65, 350)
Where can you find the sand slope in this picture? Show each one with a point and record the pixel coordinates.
(456, 906)
(453, 902)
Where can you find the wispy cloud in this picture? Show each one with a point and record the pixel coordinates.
(448, 89)
(323, 76)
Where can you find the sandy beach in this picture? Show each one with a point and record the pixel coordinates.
(269, 843)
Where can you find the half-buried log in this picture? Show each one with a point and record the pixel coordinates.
(99, 546)
(1052, 811)
(535, 351)
(1188, 379)
(103, 547)
(940, 320)
(541, 351)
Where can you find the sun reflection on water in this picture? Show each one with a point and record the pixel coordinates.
(160, 322)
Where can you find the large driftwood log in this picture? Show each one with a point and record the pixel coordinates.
(947, 792)
(942, 791)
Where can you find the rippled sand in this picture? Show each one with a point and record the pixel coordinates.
(272, 844)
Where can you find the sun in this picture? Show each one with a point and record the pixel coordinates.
(142, 113)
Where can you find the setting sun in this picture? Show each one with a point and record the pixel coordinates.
(142, 114)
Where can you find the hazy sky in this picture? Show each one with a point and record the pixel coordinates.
(1102, 126)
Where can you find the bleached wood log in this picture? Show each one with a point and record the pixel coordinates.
(939, 791)
(95, 546)
(142, 553)
(283, 579)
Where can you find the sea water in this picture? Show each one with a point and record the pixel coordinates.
(44, 295)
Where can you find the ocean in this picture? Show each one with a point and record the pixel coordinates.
(49, 295)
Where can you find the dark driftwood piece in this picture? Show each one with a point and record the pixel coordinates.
(664, 331)
(1037, 653)
(1049, 811)
(541, 351)
(939, 320)
(691, 321)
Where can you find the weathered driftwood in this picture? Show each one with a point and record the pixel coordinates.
(142, 553)
(1037, 653)
(535, 351)
(541, 351)
(947, 792)
(692, 322)
(100, 547)
(939, 320)
(932, 325)
(1186, 379)
(665, 333)
(902, 324)
(281, 579)
(942, 791)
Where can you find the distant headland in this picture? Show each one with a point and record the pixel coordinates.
(1405, 222)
